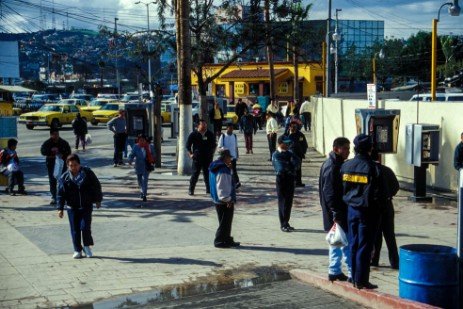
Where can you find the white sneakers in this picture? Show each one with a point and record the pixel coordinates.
(88, 252)
(78, 254)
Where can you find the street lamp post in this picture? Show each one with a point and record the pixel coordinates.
(147, 4)
(454, 10)
(336, 38)
(380, 55)
(327, 53)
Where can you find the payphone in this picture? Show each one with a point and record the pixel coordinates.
(422, 143)
(138, 117)
(382, 125)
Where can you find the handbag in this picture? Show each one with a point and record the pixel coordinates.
(336, 236)
(58, 170)
(149, 166)
(88, 139)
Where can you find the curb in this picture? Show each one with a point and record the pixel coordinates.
(369, 298)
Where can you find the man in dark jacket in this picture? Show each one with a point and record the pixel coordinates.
(223, 195)
(201, 147)
(298, 146)
(458, 156)
(248, 125)
(285, 163)
(333, 207)
(79, 188)
(240, 108)
(52, 148)
(79, 126)
(389, 188)
(361, 179)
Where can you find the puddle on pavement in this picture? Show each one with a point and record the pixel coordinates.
(242, 278)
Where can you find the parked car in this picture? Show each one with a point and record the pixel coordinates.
(52, 115)
(106, 113)
(80, 103)
(108, 96)
(98, 103)
(230, 117)
(86, 97)
(440, 96)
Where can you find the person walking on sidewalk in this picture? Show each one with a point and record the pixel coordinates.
(298, 146)
(79, 126)
(79, 188)
(333, 207)
(10, 166)
(223, 195)
(272, 132)
(118, 126)
(361, 179)
(216, 118)
(458, 155)
(230, 141)
(240, 108)
(306, 116)
(201, 147)
(285, 163)
(249, 127)
(389, 188)
(143, 153)
(52, 148)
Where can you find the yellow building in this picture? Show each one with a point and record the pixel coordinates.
(249, 80)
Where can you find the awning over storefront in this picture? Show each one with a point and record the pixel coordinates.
(263, 74)
(15, 89)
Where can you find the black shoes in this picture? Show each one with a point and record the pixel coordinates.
(227, 245)
(53, 201)
(190, 192)
(366, 286)
(338, 277)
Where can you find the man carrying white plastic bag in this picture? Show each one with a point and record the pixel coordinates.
(335, 210)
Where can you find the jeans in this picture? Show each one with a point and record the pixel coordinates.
(143, 182)
(80, 221)
(335, 256)
(285, 192)
(225, 216)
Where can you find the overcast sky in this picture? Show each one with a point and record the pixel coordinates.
(402, 18)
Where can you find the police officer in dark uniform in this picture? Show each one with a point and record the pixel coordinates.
(361, 179)
(298, 146)
(201, 146)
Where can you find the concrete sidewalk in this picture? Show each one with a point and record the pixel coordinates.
(168, 240)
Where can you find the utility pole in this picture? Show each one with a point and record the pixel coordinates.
(115, 50)
(328, 55)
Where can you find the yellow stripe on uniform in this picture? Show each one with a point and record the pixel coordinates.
(355, 178)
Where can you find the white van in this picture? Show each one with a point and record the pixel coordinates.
(441, 97)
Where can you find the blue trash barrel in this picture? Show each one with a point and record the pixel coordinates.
(429, 274)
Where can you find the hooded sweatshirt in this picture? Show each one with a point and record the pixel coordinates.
(221, 183)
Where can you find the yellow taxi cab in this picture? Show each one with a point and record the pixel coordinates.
(166, 111)
(230, 116)
(80, 103)
(98, 103)
(52, 115)
(106, 113)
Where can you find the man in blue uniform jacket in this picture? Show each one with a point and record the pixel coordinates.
(361, 182)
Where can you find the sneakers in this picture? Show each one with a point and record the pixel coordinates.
(300, 185)
(77, 255)
(88, 252)
(285, 229)
(338, 277)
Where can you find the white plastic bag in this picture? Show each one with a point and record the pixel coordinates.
(337, 237)
(13, 166)
(88, 139)
(58, 170)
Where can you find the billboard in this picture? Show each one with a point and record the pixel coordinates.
(9, 59)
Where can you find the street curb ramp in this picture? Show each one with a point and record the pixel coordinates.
(368, 298)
